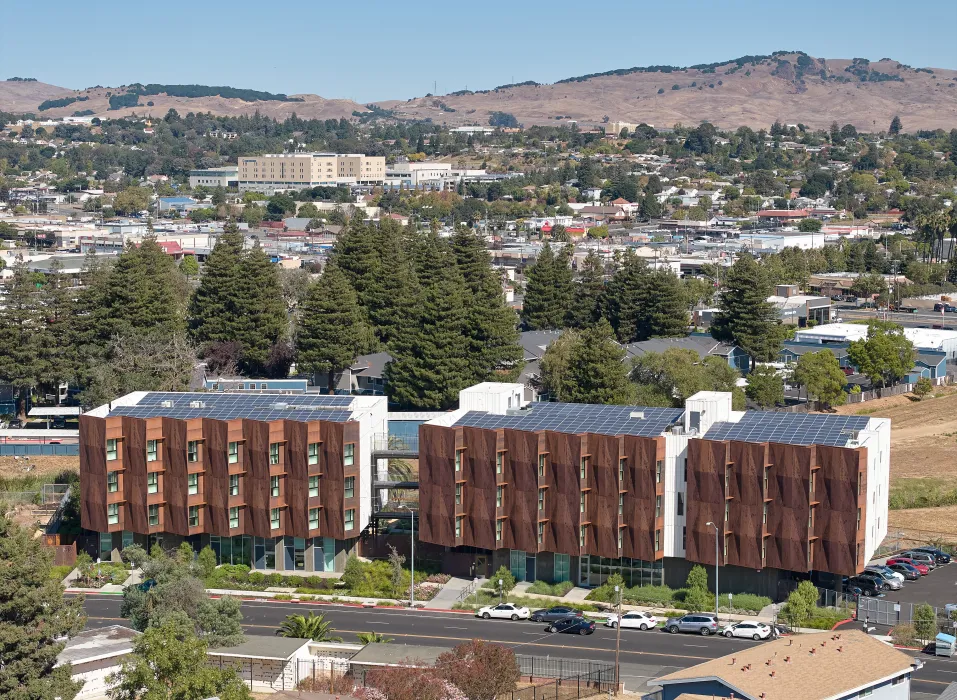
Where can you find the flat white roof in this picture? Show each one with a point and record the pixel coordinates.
(31, 433)
(55, 411)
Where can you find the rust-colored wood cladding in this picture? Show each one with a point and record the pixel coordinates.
(706, 462)
(836, 490)
(296, 480)
(134, 474)
(520, 470)
(93, 473)
(437, 484)
(641, 455)
(478, 497)
(255, 456)
(746, 504)
(174, 518)
(789, 479)
(215, 480)
(350, 434)
(331, 517)
(564, 491)
(603, 496)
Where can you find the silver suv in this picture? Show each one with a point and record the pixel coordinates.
(891, 583)
(697, 623)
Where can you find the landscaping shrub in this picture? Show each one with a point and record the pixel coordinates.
(555, 589)
(904, 635)
(438, 578)
(58, 573)
(745, 601)
(650, 595)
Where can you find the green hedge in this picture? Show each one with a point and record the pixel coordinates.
(555, 589)
(662, 596)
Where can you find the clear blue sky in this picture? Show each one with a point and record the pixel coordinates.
(376, 50)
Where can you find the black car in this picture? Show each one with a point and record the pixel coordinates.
(572, 625)
(864, 585)
(905, 570)
(940, 555)
(556, 613)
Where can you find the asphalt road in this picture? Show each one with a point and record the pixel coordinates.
(923, 318)
(644, 655)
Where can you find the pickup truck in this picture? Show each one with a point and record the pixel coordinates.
(940, 306)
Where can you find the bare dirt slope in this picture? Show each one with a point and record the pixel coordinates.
(754, 95)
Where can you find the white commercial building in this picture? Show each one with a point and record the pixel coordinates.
(283, 172)
(225, 177)
(934, 339)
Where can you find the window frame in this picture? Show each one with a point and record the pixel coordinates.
(192, 451)
(275, 487)
(313, 511)
(152, 482)
(112, 448)
(313, 486)
(151, 511)
(274, 454)
(192, 484)
(349, 487)
(234, 484)
(232, 452)
(233, 511)
(192, 516)
(152, 455)
(313, 454)
(349, 454)
(112, 482)
(350, 523)
(112, 513)
(275, 519)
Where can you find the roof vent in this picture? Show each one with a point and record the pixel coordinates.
(640, 415)
(166, 403)
(197, 404)
(279, 406)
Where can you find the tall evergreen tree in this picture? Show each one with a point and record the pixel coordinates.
(589, 294)
(239, 300)
(895, 127)
(662, 306)
(596, 371)
(430, 362)
(492, 324)
(548, 290)
(625, 296)
(57, 301)
(20, 341)
(34, 620)
(330, 328)
(746, 317)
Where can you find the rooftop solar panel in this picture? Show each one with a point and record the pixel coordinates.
(580, 418)
(790, 428)
(228, 406)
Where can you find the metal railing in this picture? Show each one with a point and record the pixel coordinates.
(468, 590)
(383, 443)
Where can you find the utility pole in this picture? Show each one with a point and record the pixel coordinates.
(617, 641)
(717, 564)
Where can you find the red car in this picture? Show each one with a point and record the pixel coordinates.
(922, 568)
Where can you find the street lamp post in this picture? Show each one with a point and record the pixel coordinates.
(717, 564)
(411, 556)
(617, 641)
(501, 591)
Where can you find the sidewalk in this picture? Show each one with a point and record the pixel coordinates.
(449, 594)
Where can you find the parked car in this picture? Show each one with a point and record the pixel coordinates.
(753, 630)
(864, 585)
(697, 623)
(940, 555)
(926, 558)
(885, 571)
(889, 583)
(919, 565)
(572, 625)
(556, 613)
(943, 306)
(635, 619)
(906, 570)
(503, 611)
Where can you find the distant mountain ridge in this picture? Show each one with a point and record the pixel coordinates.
(754, 90)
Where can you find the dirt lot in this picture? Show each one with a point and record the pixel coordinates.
(923, 433)
(11, 467)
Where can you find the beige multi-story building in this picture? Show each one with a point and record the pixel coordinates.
(279, 172)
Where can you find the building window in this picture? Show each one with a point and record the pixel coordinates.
(192, 451)
(194, 516)
(113, 513)
(657, 506)
(499, 460)
(764, 550)
(726, 538)
(350, 518)
(681, 504)
(541, 465)
(274, 519)
(234, 517)
(192, 484)
(858, 519)
(313, 453)
(621, 472)
(458, 526)
(541, 499)
(727, 511)
(581, 502)
(233, 452)
(234, 484)
(498, 530)
(111, 452)
(349, 455)
(152, 482)
(621, 504)
(860, 484)
(582, 531)
(499, 496)
(813, 480)
(767, 471)
(541, 532)
(152, 450)
(274, 453)
(274, 486)
(584, 464)
(620, 537)
(727, 479)
(458, 494)
(112, 482)
(313, 486)
(764, 515)
(153, 515)
(313, 518)
(659, 465)
(657, 540)
(349, 490)
(458, 460)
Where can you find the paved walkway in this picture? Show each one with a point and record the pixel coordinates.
(449, 594)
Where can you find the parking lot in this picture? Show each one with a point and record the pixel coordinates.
(937, 588)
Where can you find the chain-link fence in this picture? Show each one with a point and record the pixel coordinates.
(899, 539)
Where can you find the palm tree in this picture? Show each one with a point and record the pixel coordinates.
(373, 638)
(314, 627)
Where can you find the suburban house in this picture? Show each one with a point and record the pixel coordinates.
(782, 216)
(701, 343)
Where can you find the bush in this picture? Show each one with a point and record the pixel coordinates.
(745, 601)
(555, 589)
(904, 635)
(135, 555)
(925, 622)
(698, 600)
(650, 595)
(58, 573)
(438, 578)
(505, 576)
(257, 578)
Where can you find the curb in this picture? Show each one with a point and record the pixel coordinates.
(842, 622)
(345, 604)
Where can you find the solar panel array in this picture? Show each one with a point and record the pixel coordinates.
(580, 418)
(790, 428)
(228, 406)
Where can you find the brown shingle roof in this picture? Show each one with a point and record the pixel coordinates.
(787, 668)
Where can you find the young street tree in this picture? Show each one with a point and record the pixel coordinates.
(34, 620)
(765, 388)
(330, 328)
(885, 356)
(548, 290)
(746, 317)
(821, 376)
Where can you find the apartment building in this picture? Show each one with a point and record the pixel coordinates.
(272, 482)
(281, 172)
(576, 492)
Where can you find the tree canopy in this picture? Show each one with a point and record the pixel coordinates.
(746, 317)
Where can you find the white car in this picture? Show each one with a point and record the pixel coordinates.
(634, 619)
(503, 611)
(753, 630)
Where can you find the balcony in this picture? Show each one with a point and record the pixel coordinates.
(385, 446)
